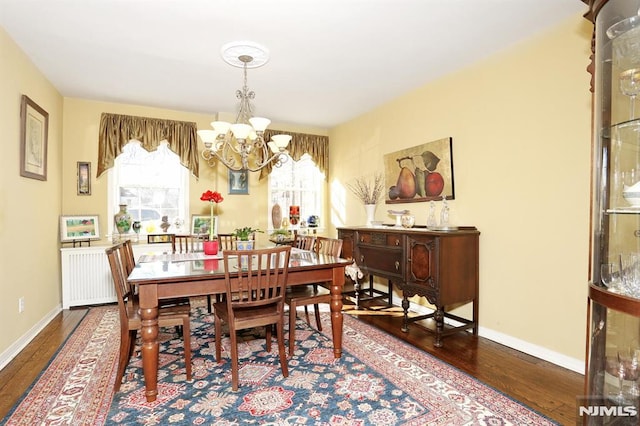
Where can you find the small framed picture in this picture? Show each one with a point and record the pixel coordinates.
(239, 182)
(158, 238)
(34, 132)
(84, 178)
(74, 228)
(200, 224)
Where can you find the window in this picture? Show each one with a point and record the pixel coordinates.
(152, 185)
(297, 183)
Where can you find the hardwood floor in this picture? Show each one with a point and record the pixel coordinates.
(19, 374)
(544, 387)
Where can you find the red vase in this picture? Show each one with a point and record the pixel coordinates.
(210, 247)
(210, 264)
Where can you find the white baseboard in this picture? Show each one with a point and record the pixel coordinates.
(543, 353)
(528, 348)
(13, 350)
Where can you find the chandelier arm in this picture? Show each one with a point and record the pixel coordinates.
(244, 154)
(226, 156)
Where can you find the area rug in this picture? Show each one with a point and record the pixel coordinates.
(380, 380)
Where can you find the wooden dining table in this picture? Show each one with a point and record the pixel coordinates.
(164, 275)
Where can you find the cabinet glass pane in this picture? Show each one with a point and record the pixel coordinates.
(613, 358)
(617, 154)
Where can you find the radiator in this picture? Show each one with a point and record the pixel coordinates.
(86, 276)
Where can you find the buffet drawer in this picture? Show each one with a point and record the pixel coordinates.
(380, 239)
(382, 262)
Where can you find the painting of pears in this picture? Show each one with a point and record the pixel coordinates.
(420, 173)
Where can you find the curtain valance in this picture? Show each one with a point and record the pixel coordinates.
(301, 143)
(117, 130)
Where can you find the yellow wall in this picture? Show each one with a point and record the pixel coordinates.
(81, 125)
(520, 123)
(29, 209)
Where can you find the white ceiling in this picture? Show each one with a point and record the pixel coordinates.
(331, 60)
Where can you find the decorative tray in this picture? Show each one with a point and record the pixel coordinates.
(442, 228)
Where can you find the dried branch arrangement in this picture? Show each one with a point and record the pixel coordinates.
(367, 191)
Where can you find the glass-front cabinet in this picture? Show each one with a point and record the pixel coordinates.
(612, 388)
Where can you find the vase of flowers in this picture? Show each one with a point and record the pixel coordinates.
(214, 198)
(369, 192)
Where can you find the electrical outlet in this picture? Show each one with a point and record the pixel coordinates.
(21, 305)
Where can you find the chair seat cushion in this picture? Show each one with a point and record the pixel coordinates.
(253, 317)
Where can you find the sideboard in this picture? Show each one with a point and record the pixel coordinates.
(441, 266)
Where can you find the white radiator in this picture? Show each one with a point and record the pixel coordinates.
(86, 277)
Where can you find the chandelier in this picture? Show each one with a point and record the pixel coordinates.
(241, 145)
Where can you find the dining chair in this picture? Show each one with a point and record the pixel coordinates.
(226, 241)
(129, 313)
(254, 298)
(304, 242)
(190, 243)
(128, 258)
(312, 294)
(130, 263)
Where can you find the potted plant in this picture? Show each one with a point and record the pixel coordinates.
(280, 234)
(243, 234)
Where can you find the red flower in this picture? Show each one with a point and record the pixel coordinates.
(214, 197)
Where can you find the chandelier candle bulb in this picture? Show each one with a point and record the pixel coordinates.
(208, 137)
(240, 130)
(281, 141)
(220, 127)
(259, 123)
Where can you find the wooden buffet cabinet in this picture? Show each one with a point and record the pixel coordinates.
(441, 266)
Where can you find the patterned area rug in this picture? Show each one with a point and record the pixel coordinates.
(379, 380)
(77, 386)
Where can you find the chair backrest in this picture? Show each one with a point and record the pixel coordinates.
(261, 277)
(226, 241)
(329, 246)
(304, 242)
(129, 258)
(188, 243)
(116, 256)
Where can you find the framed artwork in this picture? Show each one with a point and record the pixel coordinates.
(239, 182)
(200, 224)
(158, 238)
(74, 228)
(84, 178)
(34, 132)
(421, 173)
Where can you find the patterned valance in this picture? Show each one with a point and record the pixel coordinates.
(301, 143)
(117, 130)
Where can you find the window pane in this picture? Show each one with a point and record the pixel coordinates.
(297, 183)
(152, 185)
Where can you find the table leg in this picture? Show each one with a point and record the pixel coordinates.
(337, 284)
(150, 348)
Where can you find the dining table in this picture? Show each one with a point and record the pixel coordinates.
(160, 275)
